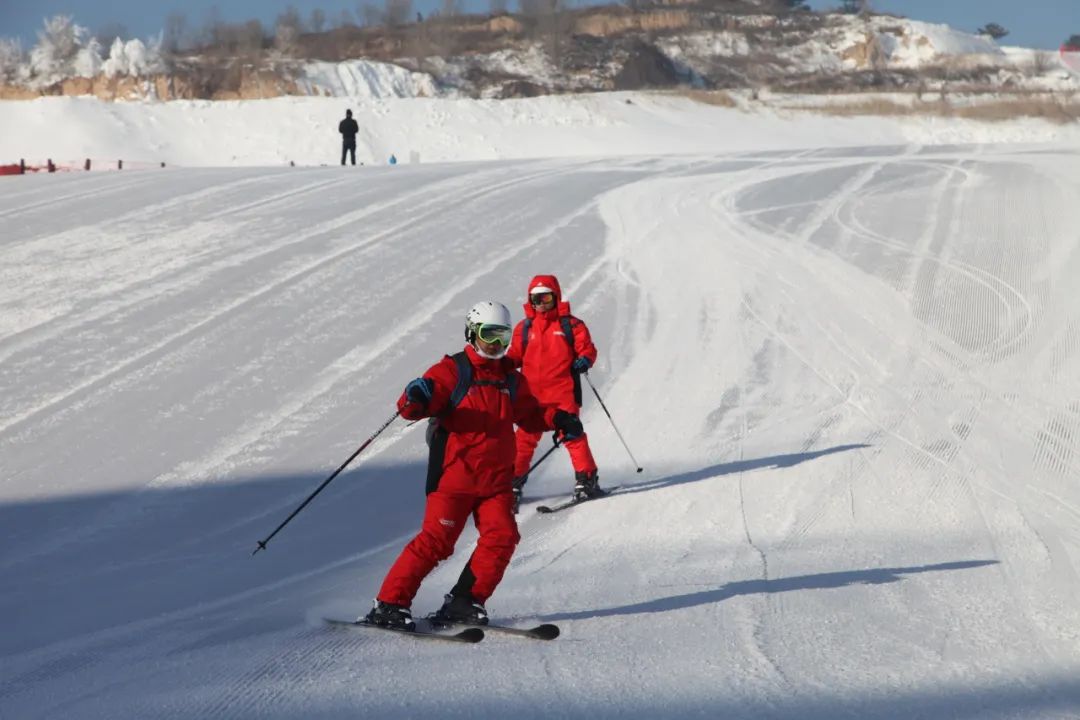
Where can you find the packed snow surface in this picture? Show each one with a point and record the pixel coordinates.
(851, 375)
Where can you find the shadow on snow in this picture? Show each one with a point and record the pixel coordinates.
(818, 581)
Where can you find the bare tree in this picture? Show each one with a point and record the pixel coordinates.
(532, 8)
(317, 23)
(287, 30)
(549, 23)
(249, 40)
(498, 7)
(1041, 62)
(212, 27)
(371, 15)
(345, 19)
(175, 36)
(398, 12)
(451, 8)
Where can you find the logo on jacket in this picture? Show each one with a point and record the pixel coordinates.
(447, 523)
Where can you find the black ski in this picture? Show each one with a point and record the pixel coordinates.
(469, 635)
(546, 631)
(548, 509)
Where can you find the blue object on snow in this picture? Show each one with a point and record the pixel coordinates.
(393, 160)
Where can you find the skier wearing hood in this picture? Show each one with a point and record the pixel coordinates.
(553, 348)
(473, 398)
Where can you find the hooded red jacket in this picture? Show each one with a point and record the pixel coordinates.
(547, 358)
(479, 455)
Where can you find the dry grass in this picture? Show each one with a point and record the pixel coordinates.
(1058, 110)
(719, 98)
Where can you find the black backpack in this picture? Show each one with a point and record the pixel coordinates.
(437, 434)
(567, 329)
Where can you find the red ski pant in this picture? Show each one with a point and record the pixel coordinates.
(444, 519)
(580, 454)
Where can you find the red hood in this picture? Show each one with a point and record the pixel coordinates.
(545, 281)
(552, 282)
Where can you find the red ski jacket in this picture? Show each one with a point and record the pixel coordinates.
(476, 453)
(547, 356)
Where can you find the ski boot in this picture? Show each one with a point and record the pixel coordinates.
(587, 485)
(461, 609)
(388, 615)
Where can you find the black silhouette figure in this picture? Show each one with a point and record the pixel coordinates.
(348, 129)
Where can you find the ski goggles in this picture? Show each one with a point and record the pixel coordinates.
(541, 298)
(494, 334)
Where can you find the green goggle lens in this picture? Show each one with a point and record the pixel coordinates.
(492, 334)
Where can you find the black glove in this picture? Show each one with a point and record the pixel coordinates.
(568, 425)
(581, 365)
(419, 391)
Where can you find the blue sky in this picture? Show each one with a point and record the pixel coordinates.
(1032, 23)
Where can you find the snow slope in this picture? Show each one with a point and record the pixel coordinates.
(304, 130)
(851, 375)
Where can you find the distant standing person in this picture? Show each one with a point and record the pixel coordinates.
(348, 129)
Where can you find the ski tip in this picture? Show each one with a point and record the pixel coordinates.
(545, 631)
(471, 635)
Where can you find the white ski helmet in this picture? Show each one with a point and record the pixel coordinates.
(488, 314)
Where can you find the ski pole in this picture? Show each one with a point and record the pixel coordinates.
(519, 482)
(586, 373)
(262, 543)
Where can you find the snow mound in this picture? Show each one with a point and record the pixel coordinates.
(365, 79)
(922, 43)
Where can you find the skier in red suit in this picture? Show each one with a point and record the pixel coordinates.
(553, 348)
(474, 399)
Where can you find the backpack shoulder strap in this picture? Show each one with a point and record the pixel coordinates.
(526, 326)
(464, 380)
(512, 385)
(568, 334)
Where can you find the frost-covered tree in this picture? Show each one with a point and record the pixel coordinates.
(88, 59)
(134, 58)
(62, 51)
(12, 61)
(55, 51)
